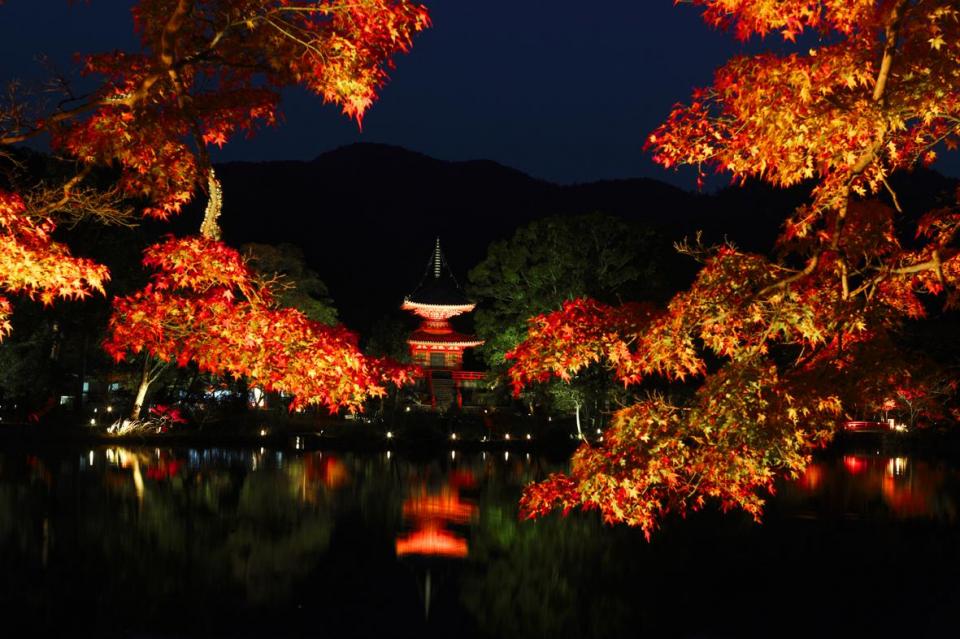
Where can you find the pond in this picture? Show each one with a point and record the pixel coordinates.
(181, 542)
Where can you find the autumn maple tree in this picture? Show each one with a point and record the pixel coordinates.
(205, 305)
(783, 349)
(35, 264)
(205, 72)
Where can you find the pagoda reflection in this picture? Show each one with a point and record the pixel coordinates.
(431, 514)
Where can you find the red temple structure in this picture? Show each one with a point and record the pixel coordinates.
(435, 345)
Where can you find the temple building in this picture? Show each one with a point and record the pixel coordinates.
(435, 345)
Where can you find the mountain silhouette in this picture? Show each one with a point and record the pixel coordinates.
(366, 215)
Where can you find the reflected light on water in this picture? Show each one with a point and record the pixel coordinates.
(195, 528)
(855, 464)
(897, 466)
(433, 540)
(812, 477)
(430, 514)
(907, 488)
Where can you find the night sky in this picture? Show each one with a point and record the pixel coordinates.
(563, 90)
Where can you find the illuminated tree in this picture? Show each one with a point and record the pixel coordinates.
(206, 71)
(204, 305)
(783, 347)
(31, 262)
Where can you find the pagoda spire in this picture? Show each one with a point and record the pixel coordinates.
(437, 260)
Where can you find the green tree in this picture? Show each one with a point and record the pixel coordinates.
(300, 287)
(553, 260)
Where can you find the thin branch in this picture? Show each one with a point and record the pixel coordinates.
(787, 281)
(893, 195)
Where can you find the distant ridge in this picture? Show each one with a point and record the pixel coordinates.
(365, 214)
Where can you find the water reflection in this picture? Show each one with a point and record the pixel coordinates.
(261, 542)
(893, 485)
(430, 514)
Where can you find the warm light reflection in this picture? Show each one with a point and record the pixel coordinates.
(855, 464)
(128, 460)
(432, 539)
(430, 513)
(325, 469)
(446, 506)
(904, 498)
(812, 477)
(906, 487)
(897, 466)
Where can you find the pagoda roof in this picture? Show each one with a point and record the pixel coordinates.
(452, 338)
(438, 286)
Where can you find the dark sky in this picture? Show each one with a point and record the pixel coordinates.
(563, 90)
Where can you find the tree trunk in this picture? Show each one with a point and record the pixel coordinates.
(142, 389)
(210, 227)
(577, 415)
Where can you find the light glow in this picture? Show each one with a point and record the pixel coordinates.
(431, 539)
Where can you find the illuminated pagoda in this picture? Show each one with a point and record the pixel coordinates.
(435, 345)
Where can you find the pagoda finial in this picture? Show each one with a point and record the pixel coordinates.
(437, 259)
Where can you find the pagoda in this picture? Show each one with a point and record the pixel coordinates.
(435, 346)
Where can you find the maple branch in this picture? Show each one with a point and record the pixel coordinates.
(938, 266)
(286, 32)
(835, 241)
(68, 187)
(787, 281)
(865, 159)
(844, 279)
(129, 100)
(53, 120)
(933, 264)
(132, 98)
(891, 32)
(174, 23)
(893, 195)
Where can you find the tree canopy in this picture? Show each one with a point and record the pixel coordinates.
(296, 286)
(552, 260)
(783, 348)
(205, 72)
(205, 305)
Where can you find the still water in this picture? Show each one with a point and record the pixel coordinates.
(147, 542)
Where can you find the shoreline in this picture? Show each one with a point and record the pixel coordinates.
(352, 437)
